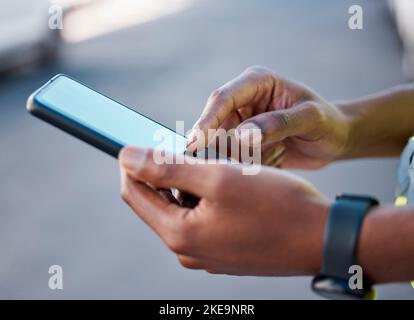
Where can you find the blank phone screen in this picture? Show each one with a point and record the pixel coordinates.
(107, 117)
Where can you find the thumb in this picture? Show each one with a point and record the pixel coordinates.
(278, 125)
(194, 176)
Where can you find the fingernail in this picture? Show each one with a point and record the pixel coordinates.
(247, 130)
(132, 158)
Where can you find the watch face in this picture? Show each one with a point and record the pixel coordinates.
(335, 288)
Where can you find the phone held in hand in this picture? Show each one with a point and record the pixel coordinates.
(97, 119)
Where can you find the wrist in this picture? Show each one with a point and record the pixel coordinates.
(378, 125)
(385, 245)
(365, 247)
(369, 254)
(351, 119)
(320, 212)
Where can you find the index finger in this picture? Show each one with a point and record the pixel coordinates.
(194, 176)
(250, 87)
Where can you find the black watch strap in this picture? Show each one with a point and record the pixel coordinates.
(342, 233)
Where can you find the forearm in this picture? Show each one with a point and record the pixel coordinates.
(379, 125)
(386, 246)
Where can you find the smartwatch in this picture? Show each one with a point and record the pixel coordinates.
(341, 236)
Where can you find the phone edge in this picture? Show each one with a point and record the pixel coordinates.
(71, 127)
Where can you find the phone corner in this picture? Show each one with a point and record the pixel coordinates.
(30, 103)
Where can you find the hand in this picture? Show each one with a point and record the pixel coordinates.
(299, 128)
(268, 224)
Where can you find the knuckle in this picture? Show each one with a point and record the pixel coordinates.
(177, 243)
(314, 111)
(309, 105)
(180, 238)
(163, 172)
(213, 271)
(262, 74)
(185, 262)
(145, 164)
(218, 95)
(282, 119)
(189, 263)
(257, 69)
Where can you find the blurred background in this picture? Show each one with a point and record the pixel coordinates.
(59, 198)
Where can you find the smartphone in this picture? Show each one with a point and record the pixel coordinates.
(98, 120)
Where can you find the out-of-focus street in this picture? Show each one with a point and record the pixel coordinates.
(59, 197)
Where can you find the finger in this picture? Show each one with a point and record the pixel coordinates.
(280, 124)
(191, 262)
(252, 86)
(201, 262)
(224, 143)
(190, 175)
(153, 209)
(232, 121)
(278, 161)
